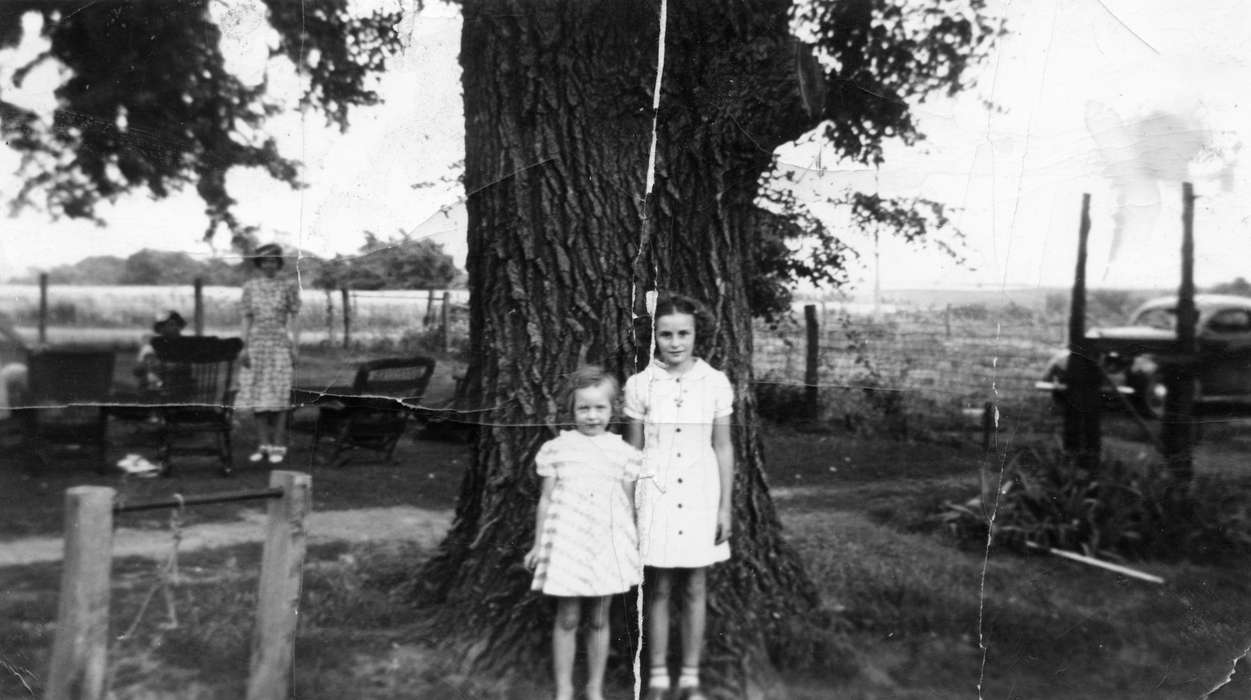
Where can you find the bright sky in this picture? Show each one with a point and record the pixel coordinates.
(1119, 98)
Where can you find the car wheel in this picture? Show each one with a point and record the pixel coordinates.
(1059, 401)
(1150, 393)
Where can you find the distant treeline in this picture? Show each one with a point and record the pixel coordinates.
(401, 263)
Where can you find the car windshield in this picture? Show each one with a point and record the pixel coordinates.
(1162, 318)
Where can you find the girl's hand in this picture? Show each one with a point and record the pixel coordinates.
(245, 360)
(295, 354)
(723, 526)
(532, 557)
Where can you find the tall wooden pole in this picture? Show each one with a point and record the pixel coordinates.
(1178, 424)
(1081, 416)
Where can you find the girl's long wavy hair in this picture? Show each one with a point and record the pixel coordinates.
(671, 304)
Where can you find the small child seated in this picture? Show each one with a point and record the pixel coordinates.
(167, 325)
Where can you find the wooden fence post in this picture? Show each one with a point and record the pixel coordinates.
(443, 322)
(1082, 406)
(812, 400)
(347, 318)
(1177, 428)
(278, 598)
(80, 651)
(199, 306)
(947, 319)
(329, 318)
(43, 308)
(429, 318)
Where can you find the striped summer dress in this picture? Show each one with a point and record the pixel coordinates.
(588, 545)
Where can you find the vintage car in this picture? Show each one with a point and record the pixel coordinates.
(1134, 355)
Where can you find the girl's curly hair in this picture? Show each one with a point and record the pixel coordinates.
(585, 377)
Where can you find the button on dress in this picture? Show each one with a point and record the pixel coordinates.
(679, 497)
(588, 545)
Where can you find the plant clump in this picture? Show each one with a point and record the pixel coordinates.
(1127, 510)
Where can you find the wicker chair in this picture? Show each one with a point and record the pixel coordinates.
(69, 389)
(379, 409)
(197, 397)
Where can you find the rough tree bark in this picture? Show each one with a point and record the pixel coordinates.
(562, 245)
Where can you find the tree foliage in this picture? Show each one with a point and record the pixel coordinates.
(146, 102)
(395, 263)
(149, 267)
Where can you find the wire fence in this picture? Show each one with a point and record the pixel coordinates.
(890, 363)
(123, 315)
(910, 366)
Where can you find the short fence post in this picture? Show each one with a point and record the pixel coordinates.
(947, 320)
(278, 598)
(429, 318)
(43, 308)
(199, 306)
(990, 420)
(329, 318)
(80, 651)
(812, 405)
(347, 318)
(443, 322)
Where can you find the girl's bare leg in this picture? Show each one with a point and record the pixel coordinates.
(658, 623)
(596, 646)
(565, 644)
(694, 616)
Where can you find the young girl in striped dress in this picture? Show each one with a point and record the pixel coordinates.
(585, 544)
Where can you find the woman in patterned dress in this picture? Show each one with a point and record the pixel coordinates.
(270, 304)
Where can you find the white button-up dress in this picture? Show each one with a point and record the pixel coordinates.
(680, 490)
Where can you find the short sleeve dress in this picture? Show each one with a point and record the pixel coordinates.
(677, 503)
(588, 545)
(266, 384)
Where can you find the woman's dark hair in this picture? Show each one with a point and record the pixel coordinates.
(671, 304)
(585, 377)
(269, 251)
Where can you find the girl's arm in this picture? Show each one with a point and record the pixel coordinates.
(293, 328)
(540, 515)
(246, 332)
(634, 433)
(723, 446)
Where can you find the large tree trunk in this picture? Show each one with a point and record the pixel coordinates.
(562, 247)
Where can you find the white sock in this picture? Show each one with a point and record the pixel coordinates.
(658, 677)
(689, 677)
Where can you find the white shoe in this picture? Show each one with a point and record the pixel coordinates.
(262, 452)
(277, 454)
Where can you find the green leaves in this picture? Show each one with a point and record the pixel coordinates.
(147, 102)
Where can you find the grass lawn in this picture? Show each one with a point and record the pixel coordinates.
(916, 611)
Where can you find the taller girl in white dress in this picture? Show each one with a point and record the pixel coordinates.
(679, 410)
